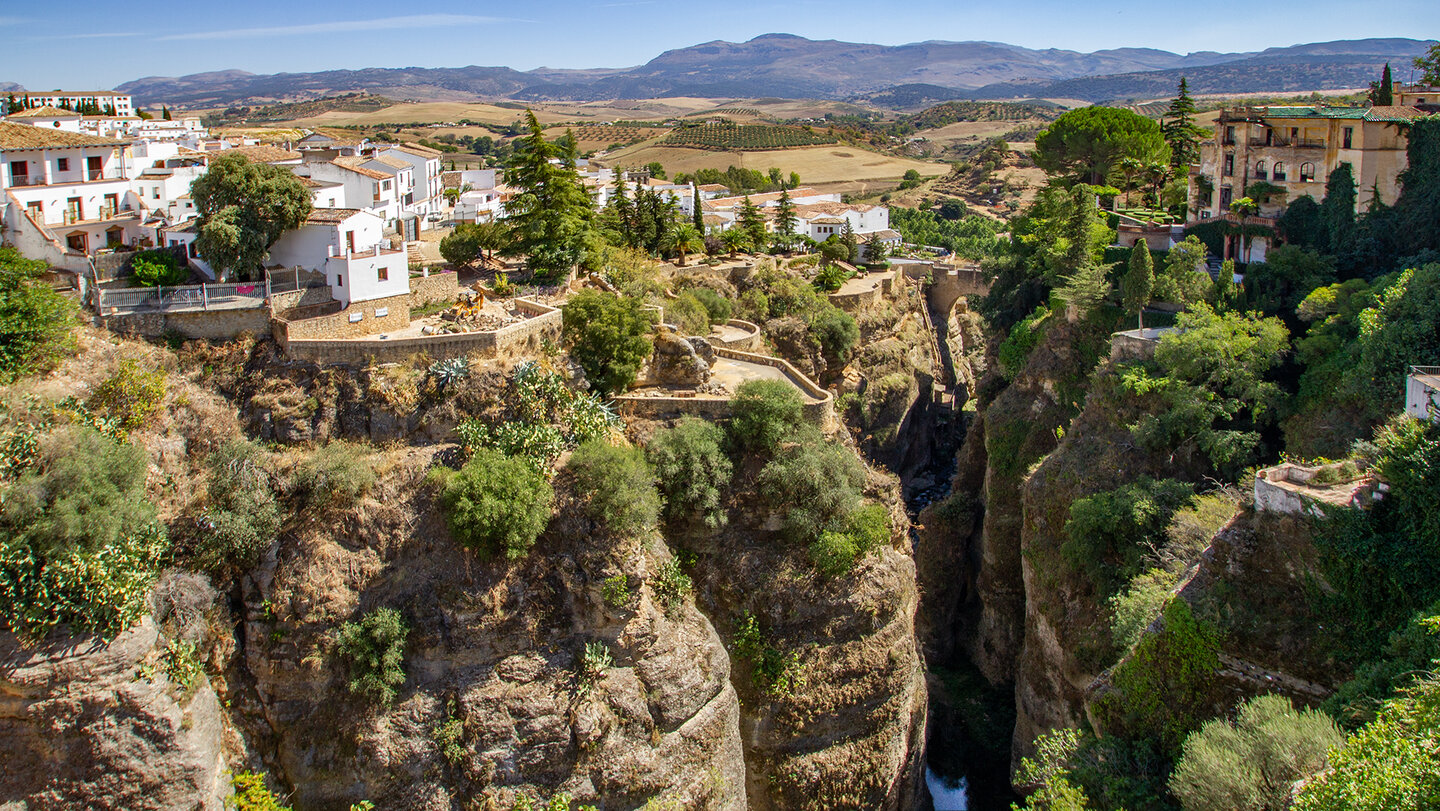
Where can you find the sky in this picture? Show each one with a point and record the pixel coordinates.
(90, 44)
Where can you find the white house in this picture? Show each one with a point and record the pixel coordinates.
(64, 195)
(1422, 393)
(375, 184)
(48, 117)
(325, 193)
(427, 196)
(320, 144)
(348, 246)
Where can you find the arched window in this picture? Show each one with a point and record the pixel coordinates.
(1307, 173)
(1278, 173)
(1259, 170)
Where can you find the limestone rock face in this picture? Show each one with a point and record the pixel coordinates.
(495, 652)
(680, 362)
(80, 727)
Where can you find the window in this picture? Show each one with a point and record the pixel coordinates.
(1279, 173)
(1307, 173)
(155, 193)
(1348, 137)
(36, 210)
(1259, 170)
(62, 164)
(384, 274)
(339, 280)
(1229, 169)
(1225, 195)
(1229, 136)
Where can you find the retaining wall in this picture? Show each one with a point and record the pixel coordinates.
(211, 325)
(434, 289)
(380, 315)
(819, 407)
(749, 342)
(523, 338)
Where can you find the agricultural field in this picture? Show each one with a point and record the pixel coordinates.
(727, 136)
(597, 137)
(834, 168)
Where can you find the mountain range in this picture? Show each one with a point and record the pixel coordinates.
(787, 66)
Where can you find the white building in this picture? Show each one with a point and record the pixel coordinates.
(64, 195)
(74, 98)
(349, 247)
(374, 184)
(1422, 393)
(427, 195)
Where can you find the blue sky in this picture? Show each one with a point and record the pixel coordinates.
(92, 44)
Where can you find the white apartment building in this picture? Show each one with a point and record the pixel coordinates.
(374, 184)
(64, 195)
(347, 245)
(122, 102)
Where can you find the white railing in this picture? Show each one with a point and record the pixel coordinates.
(185, 297)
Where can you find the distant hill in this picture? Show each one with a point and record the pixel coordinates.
(781, 65)
(1321, 66)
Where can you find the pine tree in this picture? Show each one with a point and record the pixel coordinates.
(752, 222)
(847, 238)
(12, 104)
(785, 217)
(1179, 129)
(551, 210)
(1138, 282)
(624, 211)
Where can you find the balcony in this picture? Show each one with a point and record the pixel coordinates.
(1290, 143)
(26, 180)
(17, 181)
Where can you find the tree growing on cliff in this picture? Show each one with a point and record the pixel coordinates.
(374, 649)
(35, 321)
(551, 212)
(495, 504)
(244, 209)
(616, 485)
(608, 336)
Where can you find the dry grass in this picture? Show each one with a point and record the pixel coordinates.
(832, 166)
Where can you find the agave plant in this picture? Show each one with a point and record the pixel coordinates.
(450, 371)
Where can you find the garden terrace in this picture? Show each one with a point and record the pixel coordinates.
(1301, 490)
(731, 369)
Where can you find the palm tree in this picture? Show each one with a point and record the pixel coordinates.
(1157, 174)
(1129, 168)
(736, 240)
(1242, 208)
(682, 238)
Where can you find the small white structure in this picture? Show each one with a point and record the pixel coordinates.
(1422, 393)
(348, 246)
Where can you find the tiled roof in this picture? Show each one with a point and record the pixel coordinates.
(393, 163)
(883, 235)
(714, 187)
(416, 149)
(330, 216)
(1394, 113)
(312, 183)
(761, 199)
(263, 153)
(45, 111)
(24, 136)
(1314, 112)
(354, 165)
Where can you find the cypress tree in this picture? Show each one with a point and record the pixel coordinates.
(165, 112)
(1385, 93)
(1337, 210)
(847, 238)
(1138, 282)
(624, 210)
(1224, 290)
(785, 216)
(697, 215)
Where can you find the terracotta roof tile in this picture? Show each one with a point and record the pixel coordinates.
(330, 216)
(354, 165)
(45, 111)
(24, 136)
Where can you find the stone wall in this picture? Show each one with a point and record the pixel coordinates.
(437, 288)
(292, 304)
(341, 325)
(819, 407)
(520, 339)
(749, 342)
(110, 266)
(211, 325)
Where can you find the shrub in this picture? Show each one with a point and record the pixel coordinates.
(1023, 338)
(616, 591)
(374, 649)
(594, 661)
(1133, 609)
(496, 504)
(181, 661)
(688, 314)
(244, 516)
(607, 336)
(692, 470)
(1161, 688)
(336, 475)
(129, 396)
(1110, 532)
(671, 584)
(450, 740)
(831, 277)
(864, 530)
(35, 321)
(252, 795)
(836, 331)
(617, 486)
(764, 412)
(814, 483)
(1251, 764)
(539, 445)
(773, 671)
(717, 307)
(157, 267)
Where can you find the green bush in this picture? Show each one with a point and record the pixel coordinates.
(594, 662)
(863, 531)
(716, 306)
(607, 336)
(181, 661)
(129, 396)
(1023, 338)
(692, 470)
(1110, 532)
(688, 314)
(616, 591)
(157, 267)
(1252, 763)
(831, 278)
(374, 650)
(764, 412)
(773, 671)
(537, 444)
(1134, 608)
(244, 517)
(252, 795)
(836, 331)
(616, 485)
(35, 322)
(336, 475)
(671, 584)
(1409, 655)
(814, 483)
(1162, 689)
(495, 504)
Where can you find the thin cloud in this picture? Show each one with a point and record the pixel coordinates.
(625, 5)
(100, 35)
(13, 20)
(342, 26)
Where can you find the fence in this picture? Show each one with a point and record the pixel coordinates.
(203, 297)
